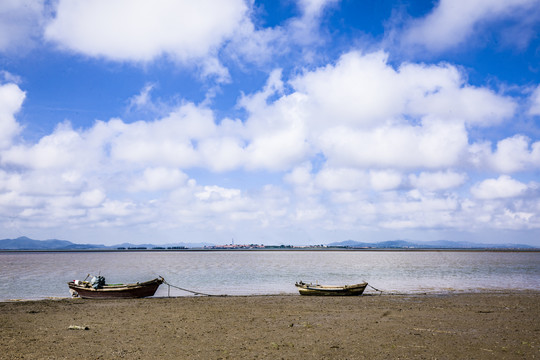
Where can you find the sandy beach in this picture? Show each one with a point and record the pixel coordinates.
(479, 326)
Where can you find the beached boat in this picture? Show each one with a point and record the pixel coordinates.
(100, 290)
(345, 290)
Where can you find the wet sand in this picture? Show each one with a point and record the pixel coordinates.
(479, 326)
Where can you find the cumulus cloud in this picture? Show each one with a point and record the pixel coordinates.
(140, 31)
(534, 108)
(385, 179)
(359, 144)
(363, 90)
(63, 148)
(453, 22)
(164, 142)
(513, 154)
(92, 198)
(502, 187)
(302, 29)
(20, 23)
(254, 45)
(341, 179)
(157, 179)
(300, 35)
(433, 145)
(337, 111)
(11, 99)
(440, 180)
(362, 112)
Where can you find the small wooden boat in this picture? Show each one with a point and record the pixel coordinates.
(88, 290)
(345, 290)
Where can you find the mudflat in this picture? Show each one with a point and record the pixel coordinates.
(457, 326)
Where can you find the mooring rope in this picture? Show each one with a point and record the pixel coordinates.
(204, 294)
(380, 291)
(190, 291)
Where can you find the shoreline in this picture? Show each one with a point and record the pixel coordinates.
(471, 325)
(296, 294)
(331, 249)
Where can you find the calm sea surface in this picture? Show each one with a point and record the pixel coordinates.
(27, 275)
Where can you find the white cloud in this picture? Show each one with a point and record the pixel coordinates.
(7, 77)
(313, 8)
(440, 180)
(211, 67)
(341, 179)
(92, 198)
(300, 175)
(512, 154)
(217, 193)
(222, 153)
(355, 153)
(361, 112)
(415, 210)
(157, 179)
(143, 99)
(304, 29)
(140, 31)
(502, 187)
(434, 145)
(353, 92)
(453, 22)
(165, 142)
(256, 45)
(382, 180)
(535, 102)
(258, 101)
(11, 99)
(363, 90)
(62, 149)
(20, 23)
(462, 103)
(298, 34)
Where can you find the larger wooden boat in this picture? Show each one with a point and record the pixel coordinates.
(322, 290)
(87, 290)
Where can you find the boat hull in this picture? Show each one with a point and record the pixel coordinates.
(127, 291)
(322, 290)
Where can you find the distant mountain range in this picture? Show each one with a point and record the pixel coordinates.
(440, 244)
(25, 243)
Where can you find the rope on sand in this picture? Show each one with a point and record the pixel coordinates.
(190, 291)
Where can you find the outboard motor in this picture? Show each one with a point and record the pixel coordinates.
(97, 282)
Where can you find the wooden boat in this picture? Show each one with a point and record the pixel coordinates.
(87, 290)
(318, 290)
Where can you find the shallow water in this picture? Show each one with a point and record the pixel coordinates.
(29, 275)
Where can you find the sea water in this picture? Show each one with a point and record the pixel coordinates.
(36, 275)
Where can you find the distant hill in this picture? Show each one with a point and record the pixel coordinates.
(24, 243)
(440, 244)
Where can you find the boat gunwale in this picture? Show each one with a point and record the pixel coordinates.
(116, 288)
(311, 289)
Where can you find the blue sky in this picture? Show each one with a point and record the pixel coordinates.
(275, 122)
